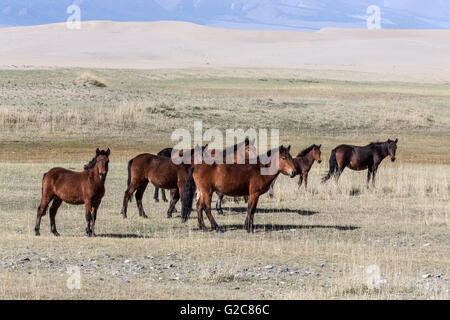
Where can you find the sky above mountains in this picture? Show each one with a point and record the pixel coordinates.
(302, 15)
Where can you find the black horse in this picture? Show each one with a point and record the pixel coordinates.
(360, 158)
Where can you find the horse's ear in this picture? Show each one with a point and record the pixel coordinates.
(319, 146)
(289, 148)
(247, 141)
(206, 146)
(108, 152)
(396, 140)
(97, 152)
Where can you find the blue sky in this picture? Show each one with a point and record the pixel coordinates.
(304, 15)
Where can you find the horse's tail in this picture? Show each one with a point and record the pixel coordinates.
(42, 195)
(188, 196)
(129, 176)
(333, 166)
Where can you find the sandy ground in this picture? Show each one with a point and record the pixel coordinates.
(388, 55)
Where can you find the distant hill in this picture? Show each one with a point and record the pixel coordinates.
(304, 15)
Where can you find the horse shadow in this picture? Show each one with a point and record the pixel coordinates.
(285, 227)
(120, 235)
(265, 210)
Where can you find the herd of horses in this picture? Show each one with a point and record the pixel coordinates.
(233, 177)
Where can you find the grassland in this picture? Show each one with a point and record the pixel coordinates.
(308, 244)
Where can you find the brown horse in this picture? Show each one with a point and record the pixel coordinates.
(86, 187)
(303, 163)
(244, 149)
(234, 180)
(360, 158)
(162, 172)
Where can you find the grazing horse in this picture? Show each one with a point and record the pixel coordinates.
(162, 172)
(86, 187)
(234, 180)
(360, 158)
(303, 163)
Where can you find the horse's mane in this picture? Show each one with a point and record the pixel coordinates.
(306, 151)
(375, 144)
(91, 163)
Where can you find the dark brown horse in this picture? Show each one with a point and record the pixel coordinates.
(303, 163)
(167, 152)
(162, 172)
(360, 158)
(234, 180)
(86, 187)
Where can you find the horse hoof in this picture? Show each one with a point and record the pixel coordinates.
(56, 233)
(156, 200)
(37, 233)
(144, 215)
(220, 212)
(219, 230)
(175, 210)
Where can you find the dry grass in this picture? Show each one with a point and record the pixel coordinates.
(319, 242)
(307, 245)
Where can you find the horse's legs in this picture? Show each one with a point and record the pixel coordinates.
(252, 202)
(139, 194)
(201, 223)
(207, 202)
(155, 195)
(163, 193)
(374, 172)
(41, 212)
(127, 196)
(53, 209)
(172, 195)
(88, 208)
(339, 171)
(305, 177)
(369, 173)
(271, 189)
(93, 218)
(219, 203)
(176, 196)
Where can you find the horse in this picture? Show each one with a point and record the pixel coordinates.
(360, 158)
(303, 163)
(166, 152)
(235, 180)
(245, 149)
(249, 152)
(162, 172)
(86, 187)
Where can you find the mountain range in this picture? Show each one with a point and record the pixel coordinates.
(302, 15)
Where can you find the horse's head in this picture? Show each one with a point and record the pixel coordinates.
(101, 162)
(316, 153)
(285, 161)
(392, 148)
